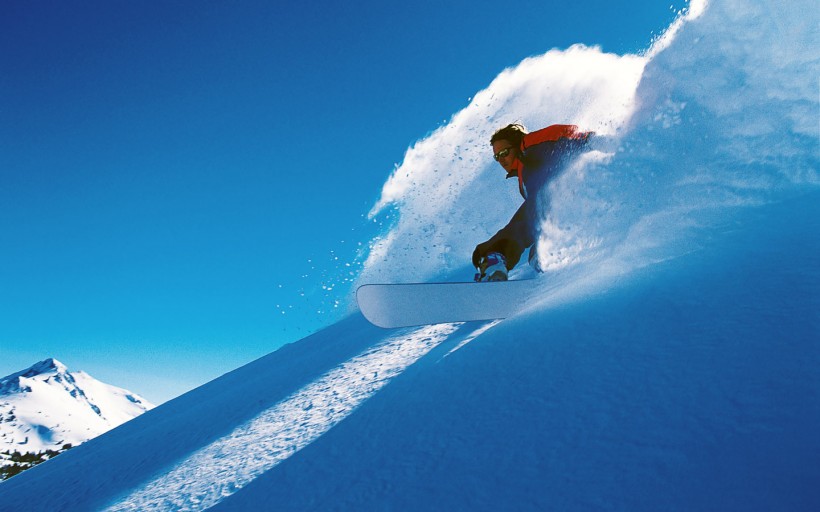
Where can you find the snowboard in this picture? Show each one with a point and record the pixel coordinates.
(406, 305)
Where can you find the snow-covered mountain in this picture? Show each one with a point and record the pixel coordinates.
(46, 406)
(669, 363)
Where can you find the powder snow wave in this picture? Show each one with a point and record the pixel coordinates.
(719, 114)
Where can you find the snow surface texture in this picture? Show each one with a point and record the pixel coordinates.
(46, 406)
(276, 434)
(671, 363)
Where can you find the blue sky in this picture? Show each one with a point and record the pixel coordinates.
(181, 182)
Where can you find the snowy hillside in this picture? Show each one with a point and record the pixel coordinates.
(670, 362)
(691, 386)
(46, 406)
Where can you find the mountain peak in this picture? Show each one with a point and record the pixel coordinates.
(11, 383)
(46, 406)
(49, 365)
(45, 366)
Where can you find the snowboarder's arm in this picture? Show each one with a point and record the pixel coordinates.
(511, 240)
(553, 133)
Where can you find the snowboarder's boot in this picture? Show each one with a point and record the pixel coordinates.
(492, 267)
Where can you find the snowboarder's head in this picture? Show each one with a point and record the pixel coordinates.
(506, 144)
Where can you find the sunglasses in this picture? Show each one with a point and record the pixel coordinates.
(502, 154)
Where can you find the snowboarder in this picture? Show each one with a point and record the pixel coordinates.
(533, 158)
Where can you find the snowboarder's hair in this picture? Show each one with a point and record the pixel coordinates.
(512, 133)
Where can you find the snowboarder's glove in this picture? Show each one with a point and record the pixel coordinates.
(493, 267)
(480, 252)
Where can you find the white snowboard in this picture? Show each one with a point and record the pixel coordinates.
(405, 305)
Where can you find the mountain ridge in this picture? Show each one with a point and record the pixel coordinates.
(46, 406)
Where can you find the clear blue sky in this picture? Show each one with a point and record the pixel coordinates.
(176, 175)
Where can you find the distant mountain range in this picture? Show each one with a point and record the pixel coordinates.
(46, 407)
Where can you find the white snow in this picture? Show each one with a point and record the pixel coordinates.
(226, 465)
(46, 406)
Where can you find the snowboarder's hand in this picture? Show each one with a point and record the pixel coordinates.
(476, 257)
(479, 253)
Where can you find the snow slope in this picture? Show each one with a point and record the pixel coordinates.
(46, 406)
(672, 365)
(690, 386)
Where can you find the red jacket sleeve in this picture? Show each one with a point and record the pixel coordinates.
(553, 133)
